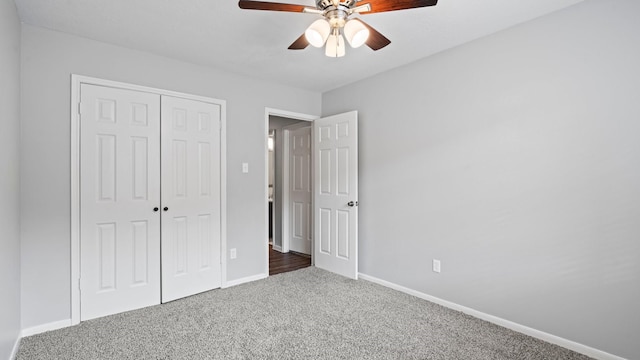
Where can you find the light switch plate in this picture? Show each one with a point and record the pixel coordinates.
(436, 265)
(245, 168)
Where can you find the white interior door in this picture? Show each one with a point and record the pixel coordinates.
(190, 197)
(119, 190)
(300, 230)
(335, 149)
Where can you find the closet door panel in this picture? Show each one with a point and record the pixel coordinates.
(190, 197)
(119, 189)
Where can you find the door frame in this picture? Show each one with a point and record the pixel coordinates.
(76, 82)
(290, 115)
(272, 166)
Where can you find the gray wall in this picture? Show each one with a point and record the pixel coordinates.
(9, 177)
(515, 160)
(277, 123)
(48, 60)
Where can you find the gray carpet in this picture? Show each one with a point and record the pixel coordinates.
(305, 314)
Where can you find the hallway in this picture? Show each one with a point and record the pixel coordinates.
(280, 263)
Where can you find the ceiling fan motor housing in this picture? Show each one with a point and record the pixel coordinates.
(322, 4)
(335, 12)
(329, 5)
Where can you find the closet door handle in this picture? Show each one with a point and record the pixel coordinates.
(155, 208)
(165, 208)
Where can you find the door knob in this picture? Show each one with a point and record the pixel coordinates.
(352, 204)
(155, 208)
(165, 208)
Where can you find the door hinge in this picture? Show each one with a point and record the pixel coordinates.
(80, 108)
(79, 287)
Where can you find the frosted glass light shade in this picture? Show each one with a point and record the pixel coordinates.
(335, 46)
(318, 32)
(356, 33)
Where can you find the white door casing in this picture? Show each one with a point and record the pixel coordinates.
(269, 112)
(190, 197)
(335, 201)
(300, 210)
(120, 172)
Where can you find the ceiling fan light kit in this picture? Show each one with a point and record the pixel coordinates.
(321, 31)
(335, 45)
(356, 33)
(335, 26)
(318, 32)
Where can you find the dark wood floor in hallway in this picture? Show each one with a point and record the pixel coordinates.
(279, 262)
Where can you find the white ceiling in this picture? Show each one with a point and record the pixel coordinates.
(217, 33)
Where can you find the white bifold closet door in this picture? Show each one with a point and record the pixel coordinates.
(149, 199)
(119, 190)
(190, 197)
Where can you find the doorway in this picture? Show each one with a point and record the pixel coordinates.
(281, 257)
(333, 177)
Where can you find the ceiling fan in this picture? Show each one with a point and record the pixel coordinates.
(336, 25)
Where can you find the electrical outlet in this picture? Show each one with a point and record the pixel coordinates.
(245, 168)
(232, 253)
(436, 265)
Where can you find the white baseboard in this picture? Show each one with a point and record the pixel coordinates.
(46, 327)
(571, 345)
(66, 323)
(14, 352)
(277, 248)
(244, 280)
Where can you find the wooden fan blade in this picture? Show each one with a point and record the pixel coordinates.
(393, 5)
(376, 40)
(263, 5)
(300, 43)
